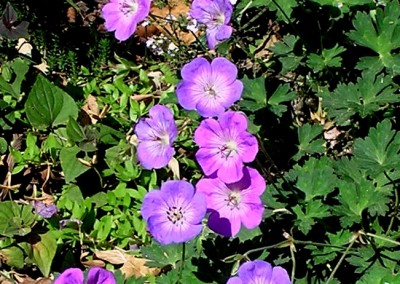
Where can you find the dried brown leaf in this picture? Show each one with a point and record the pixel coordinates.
(112, 256)
(135, 266)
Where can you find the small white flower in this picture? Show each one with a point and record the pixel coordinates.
(192, 25)
(145, 23)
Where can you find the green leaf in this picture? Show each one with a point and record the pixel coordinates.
(379, 150)
(44, 252)
(328, 58)
(3, 145)
(285, 51)
(280, 96)
(308, 142)
(15, 219)
(48, 106)
(370, 94)
(71, 166)
(75, 131)
(20, 68)
(162, 256)
(381, 33)
(315, 178)
(246, 234)
(309, 214)
(367, 197)
(254, 95)
(13, 257)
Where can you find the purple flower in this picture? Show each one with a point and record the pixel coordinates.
(259, 271)
(215, 14)
(225, 145)
(96, 275)
(44, 210)
(122, 16)
(156, 135)
(209, 88)
(174, 213)
(234, 204)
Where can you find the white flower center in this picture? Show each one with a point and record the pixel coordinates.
(220, 19)
(163, 139)
(128, 7)
(175, 215)
(228, 149)
(233, 200)
(209, 91)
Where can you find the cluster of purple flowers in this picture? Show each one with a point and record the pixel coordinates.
(122, 16)
(230, 190)
(96, 275)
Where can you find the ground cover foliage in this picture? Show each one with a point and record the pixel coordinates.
(321, 97)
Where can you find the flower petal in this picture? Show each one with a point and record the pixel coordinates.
(257, 271)
(99, 275)
(154, 155)
(234, 280)
(70, 276)
(280, 275)
(224, 32)
(198, 67)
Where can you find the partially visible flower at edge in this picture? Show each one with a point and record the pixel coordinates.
(216, 15)
(259, 271)
(96, 275)
(174, 213)
(64, 222)
(44, 210)
(209, 88)
(156, 135)
(232, 205)
(225, 145)
(122, 16)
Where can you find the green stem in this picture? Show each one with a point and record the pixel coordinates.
(381, 238)
(341, 260)
(182, 264)
(254, 18)
(396, 202)
(293, 261)
(284, 243)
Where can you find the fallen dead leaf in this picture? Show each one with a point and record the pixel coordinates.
(91, 110)
(173, 9)
(112, 256)
(135, 266)
(132, 266)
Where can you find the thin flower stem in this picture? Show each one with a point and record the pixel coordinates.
(396, 202)
(284, 243)
(287, 243)
(341, 260)
(253, 19)
(292, 250)
(381, 238)
(182, 263)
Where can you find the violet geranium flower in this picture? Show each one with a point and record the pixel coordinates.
(44, 210)
(215, 15)
(174, 213)
(209, 88)
(225, 145)
(156, 135)
(96, 275)
(259, 271)
(234, 204)
(122, 16)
